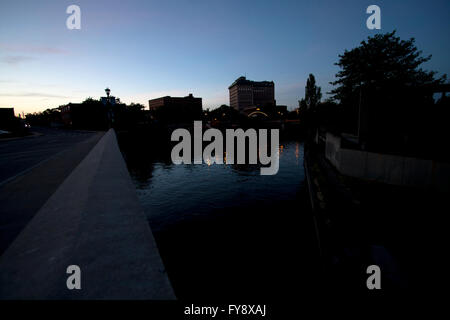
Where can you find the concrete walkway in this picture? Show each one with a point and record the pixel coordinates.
(93, 220)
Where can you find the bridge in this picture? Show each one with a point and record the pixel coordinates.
(257, 114)
(74, 205)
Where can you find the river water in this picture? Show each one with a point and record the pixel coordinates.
(224, 230)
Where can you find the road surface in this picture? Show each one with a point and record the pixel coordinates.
(21, 154)
(31, 169)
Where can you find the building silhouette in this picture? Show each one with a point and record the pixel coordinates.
(92, 113)
(176, 109)
(247, 94)
(7, 118)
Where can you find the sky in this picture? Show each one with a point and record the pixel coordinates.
(148, 49)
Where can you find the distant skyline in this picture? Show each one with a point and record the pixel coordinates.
(148, 49)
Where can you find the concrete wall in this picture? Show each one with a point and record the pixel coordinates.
(93, 220)
(396, 170)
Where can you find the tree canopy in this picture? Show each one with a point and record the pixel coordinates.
(386, 97)
(383, 61)
(313, 94)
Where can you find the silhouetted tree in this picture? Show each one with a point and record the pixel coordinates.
(382, 61)
(90, 100)
(312, 92)
(313, 95)
(44, 118)
(383, 75)
(308, 107)
(223, 113)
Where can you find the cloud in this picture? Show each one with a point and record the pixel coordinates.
(14, 60)
(30, 49)
(32, 95)
(17, 54)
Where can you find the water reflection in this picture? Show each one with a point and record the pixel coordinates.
(204, 216)
(180, 190)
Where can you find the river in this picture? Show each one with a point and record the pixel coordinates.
(224, 230)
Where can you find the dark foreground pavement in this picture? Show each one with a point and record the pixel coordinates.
(31, 169)
(94, 221)
(19, 155)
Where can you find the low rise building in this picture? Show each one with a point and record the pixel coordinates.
(7, 118)
(176, 109)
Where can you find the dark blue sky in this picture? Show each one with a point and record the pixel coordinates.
(147, 49)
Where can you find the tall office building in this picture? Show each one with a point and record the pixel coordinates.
(246, 94)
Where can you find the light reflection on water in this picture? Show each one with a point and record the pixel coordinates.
(177, 192)
(224, 230)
